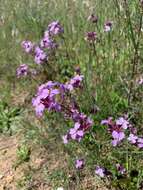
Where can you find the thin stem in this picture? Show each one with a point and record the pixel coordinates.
(136, 45)
(67, 54)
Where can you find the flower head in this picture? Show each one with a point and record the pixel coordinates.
(55, 96)
(122, 122)
(79, 164)
(75, 82)
(118, 136)
(76, 133)
(108, 26)
(55, 28)
(91, 36)
(132, 138)
(93, 18)
(48, 43)
(140, 81)
(22, 70)
(107, 121)
(65, 139)
(46, 98)
(120, 169)
(82, 124)
(140, 142)
(40, 55)
(100, 171)
(27, 46)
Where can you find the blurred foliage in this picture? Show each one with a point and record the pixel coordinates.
(8, 116)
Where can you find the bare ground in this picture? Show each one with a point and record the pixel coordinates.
(11, 176)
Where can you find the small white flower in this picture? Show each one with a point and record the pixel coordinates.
(60, 188)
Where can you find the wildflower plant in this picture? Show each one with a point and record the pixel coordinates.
(44, 53)
(108, 134)
(58, 97)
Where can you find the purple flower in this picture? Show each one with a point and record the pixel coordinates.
(140, 142)
(48, 43)
(140, 81)
(48, 85)
(47, 34)
(39, 107)
(55, 28)
(76, 133)
(86, 122)
(120, 168)
(107, 121)
(65, 139)
(22, 70)
(82, 124)
(91, 36)
(132, 138)
(117, 128)
(53, 96)
(39, 110)
(93, 18)
(46, 98)
(27, 46)
(123, 122)
(117, 137)
(75, 82)
(100, 171)
(108, 26)
(40, 55)
(79, 164)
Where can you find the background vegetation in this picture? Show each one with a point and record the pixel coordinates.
(112, 71)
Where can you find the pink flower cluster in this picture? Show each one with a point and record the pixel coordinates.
(135, 140)
(46, 98)
(103, 172)
(54, 96)
(40, 55)
(82, 123)
(47, 43)
(75, 82)
(107, 26)
(53, 30)
(33, 49)
(24, 70)
(92, 35)
(116, 128)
